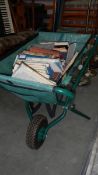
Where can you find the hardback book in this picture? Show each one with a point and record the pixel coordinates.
(71, 52)
(35, 54)
(55, 64)
(25, 72)
(53, 53)
(31, 56)
(16, 66)
(61, 46)
(55, 43)
(70, 63)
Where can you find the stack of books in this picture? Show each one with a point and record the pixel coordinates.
(44, 63)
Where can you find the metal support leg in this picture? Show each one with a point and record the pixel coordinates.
(73, 109)
(29, 110)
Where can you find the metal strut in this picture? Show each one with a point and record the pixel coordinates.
(73, 109)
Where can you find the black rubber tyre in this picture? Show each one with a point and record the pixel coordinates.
(38, 122)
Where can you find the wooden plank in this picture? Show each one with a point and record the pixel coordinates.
(78, 18)
(82, 18)
(63, 24)
(77, 15)
(78, 9)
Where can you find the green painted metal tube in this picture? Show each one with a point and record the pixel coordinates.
(80, 113)
(59, 118)
(29, 110)
(64, 92)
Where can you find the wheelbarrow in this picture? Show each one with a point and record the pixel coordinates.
(62, 94)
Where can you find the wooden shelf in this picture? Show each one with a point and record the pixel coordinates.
(79, 25)
(75, 16)
(78, 15)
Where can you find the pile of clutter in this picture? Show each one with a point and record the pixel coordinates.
(45, 62)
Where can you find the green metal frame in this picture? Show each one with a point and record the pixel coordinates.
(70, 96)
(36, 92)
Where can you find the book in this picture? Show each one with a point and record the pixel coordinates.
(56, 43)
(25, 72)
(71, 51)
(34, 54)
(30, 56)
(43, 65)
(53, 53)
(61, 46)
(15, 67)
(70, 63)
(55, 64)
(42, 68)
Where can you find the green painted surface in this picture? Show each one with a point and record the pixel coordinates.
(37, 92)
(32, 91)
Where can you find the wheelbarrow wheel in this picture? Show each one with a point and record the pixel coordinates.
(35, 135)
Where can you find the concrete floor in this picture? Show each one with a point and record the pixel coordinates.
(94, 170)
(67, 146)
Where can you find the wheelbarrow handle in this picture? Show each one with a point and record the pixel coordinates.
(64, 92)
